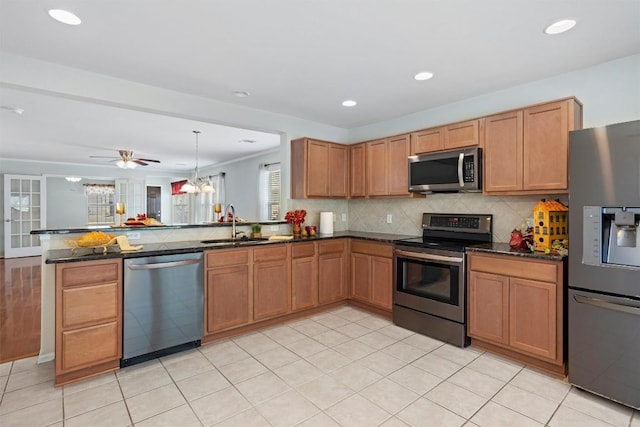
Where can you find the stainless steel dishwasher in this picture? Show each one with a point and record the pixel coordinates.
(163, 306)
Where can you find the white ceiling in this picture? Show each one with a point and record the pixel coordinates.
(299, 58)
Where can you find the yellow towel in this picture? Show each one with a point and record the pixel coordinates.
(123, 242)
(280, 237)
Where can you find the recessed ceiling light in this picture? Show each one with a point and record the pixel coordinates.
(73, 178)
(247, 141)
(349, 103)
(64, 16)
(16, 110)
(423, 75)
(560, 26)
(241, 93)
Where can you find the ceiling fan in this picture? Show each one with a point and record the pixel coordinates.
(127, 160)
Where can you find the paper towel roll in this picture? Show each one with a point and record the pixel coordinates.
(326, 223)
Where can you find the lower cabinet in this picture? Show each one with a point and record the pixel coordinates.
(227, 289)
(270, 282)
(517, 305)
(304, 276)
(332, 270)
(88, 318)
(372, 273)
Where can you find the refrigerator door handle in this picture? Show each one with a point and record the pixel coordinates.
(629, 308)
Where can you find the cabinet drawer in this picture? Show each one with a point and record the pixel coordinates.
(223, 258)
(270, 253)
(334, 246)
(303, 250)
(90, 346)
(88, 272)
(89, 304)
(370, 248)
(505, 265)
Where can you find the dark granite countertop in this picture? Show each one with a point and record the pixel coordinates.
(57, 256)
(138, 228)
(505, 249)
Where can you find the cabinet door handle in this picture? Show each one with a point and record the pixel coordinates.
(460, 166)
(428, 257)
(163, 264)
(626, 307)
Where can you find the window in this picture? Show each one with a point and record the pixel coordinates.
(270, 192)
(100, 203)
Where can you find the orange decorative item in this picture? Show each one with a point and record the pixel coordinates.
(550, 223)
(296, 218)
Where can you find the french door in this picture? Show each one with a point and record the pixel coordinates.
(24, 210)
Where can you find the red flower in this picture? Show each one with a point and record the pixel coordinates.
(295, 217)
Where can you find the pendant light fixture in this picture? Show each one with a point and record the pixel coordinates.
(196, 184)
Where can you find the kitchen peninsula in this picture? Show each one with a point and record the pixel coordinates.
(247, 284)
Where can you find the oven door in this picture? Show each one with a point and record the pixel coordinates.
(431, 283)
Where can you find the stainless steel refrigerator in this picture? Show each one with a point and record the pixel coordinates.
(604, 261)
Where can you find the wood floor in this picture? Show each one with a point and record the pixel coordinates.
(19, 308)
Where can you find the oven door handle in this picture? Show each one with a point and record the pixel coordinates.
(429, 257)
(629, 308)
(460, 166)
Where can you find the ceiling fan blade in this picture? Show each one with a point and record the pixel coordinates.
(139, 161)
(104, 157)
(149, 160)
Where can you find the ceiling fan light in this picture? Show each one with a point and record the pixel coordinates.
(126, 164)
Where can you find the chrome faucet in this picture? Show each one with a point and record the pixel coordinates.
(234, 233)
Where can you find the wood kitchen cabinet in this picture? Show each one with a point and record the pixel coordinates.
(357, 171)
(526, 151)
(332, 270)
(88, 319)
(387, 170)
(304, 276)
(271, 292)
(516, 308)
(372, 273)
(455, 135)
(227, 289)
(319, 169)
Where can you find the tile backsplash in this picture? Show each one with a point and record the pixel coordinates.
(371, 214)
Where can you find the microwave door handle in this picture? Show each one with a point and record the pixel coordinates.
(460, 165)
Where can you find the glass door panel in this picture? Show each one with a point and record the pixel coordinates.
(24, 210)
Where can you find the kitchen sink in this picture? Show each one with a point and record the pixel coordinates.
(234, 242)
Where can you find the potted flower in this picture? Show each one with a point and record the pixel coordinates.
(256, 231)
(296, 218)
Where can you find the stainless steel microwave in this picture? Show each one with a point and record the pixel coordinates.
(449, 171)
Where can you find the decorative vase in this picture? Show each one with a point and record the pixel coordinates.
(297, 229)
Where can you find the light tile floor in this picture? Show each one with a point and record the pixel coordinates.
(344, 367)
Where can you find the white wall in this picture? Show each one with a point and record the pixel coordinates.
(242, 183)
(610, 93)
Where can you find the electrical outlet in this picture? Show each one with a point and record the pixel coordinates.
(344, 217)
(133, 235)
(389, 218)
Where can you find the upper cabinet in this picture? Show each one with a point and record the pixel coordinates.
(319, 169)
(526, 151)
(357, 173)
(456, 135)
(387, 166)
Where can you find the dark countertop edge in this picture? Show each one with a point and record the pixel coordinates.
(155, 249)
(505, 249)
(161, 227)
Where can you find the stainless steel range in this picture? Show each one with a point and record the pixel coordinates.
(430, 275)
